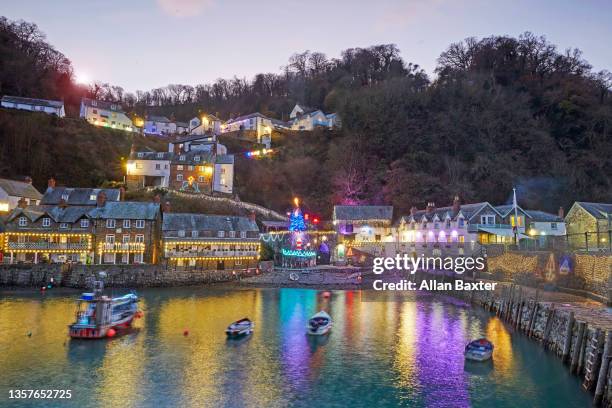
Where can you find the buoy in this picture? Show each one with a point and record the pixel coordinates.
(326, 294)
(111, 333)
(185, 332)
(49, 286)
(43, 288)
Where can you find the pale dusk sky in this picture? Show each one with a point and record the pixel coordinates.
(143, 44)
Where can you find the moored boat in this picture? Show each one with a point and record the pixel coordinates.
(319, 324)
(479, 350)
(239, 328)
(99, 316)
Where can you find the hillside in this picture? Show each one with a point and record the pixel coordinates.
(72, 151)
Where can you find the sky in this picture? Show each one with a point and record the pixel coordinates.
(144, 44)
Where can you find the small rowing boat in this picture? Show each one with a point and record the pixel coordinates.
(319, 324)
(479, 350)
(242, 327)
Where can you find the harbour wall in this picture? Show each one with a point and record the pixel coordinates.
(132, 276)
(581, 336)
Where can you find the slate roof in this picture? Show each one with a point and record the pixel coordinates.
(78, 196)
(111, 106)
(224, 159)
(467, 210)
(541, 216)
(306, 109)
(151, 156)
(182, 124)
(20, 189)
(33, 101)
(363, 212)
(249, 116)
(174, 222)
(68, 214)
(153, 118)
(126, 210)
(508, 208)
(600, 211)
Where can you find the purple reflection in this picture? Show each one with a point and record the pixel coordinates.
(439, 359)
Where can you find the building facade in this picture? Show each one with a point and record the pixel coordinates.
(589, 226)
(363, 223)
(34, 105)
(211, 242)
(159, 125)
(205, 124)
(260, 124)
(148, 169)
(305, 118)
(107, 114)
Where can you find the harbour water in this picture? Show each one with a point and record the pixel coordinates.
(384, 353)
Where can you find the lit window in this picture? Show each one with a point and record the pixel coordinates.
(23, 221)
(4, 207)
(65, 197)
(110, 223)
(140, 224)
(84, 223)
(46, 222)
(63, 225)
(201, 179)
(126, 224)
(140, 154)
(179, 167)
(190, 168)
(196, 158)
(179, 177)
(221, 234)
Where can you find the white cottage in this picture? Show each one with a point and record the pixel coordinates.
(35, 105)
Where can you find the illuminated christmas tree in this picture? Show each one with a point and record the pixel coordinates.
(296, 219)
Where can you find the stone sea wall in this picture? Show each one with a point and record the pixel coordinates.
(78, 276)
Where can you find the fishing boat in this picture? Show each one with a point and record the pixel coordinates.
(479, 350)
(242, 327)
(319, 324)
(99, 316)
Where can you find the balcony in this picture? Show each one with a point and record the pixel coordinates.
(209, 254)
(501, 227)
(121, 247)
(47, 246)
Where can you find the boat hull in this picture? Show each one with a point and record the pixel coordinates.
(96, 332)
(321, 331)
(478, 356)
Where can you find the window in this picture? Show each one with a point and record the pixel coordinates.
(194, 234)
(436, 225)
(65, 197)
(487, 219)
(179, 177)
(46, 222)
(179, 167)
(110, 223)
(93, 197)
(221, 234)
(242, 234)
(63, 225)
(461, 222)
(182, 157)
(139, 165)
(232, 234)
(138, 258)
(23, 221)
(84, 223)
(140, 224)
(110, 239)
(157, 166)
(196, 158)
(448, 223)
(553, 225)
(160, 155)
(201, 179)
(125, 239)
(127, 224)
(181, 233)
(139, 238)
(140, 154)
(166, 166)
(190, 168)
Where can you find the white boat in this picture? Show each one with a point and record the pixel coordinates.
(479, 350)
(319, 324)
(240, 328)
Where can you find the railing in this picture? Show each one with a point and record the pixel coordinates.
(51, 246)
(475, 227)
(209, 254)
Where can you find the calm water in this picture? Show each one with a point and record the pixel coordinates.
(401, 352)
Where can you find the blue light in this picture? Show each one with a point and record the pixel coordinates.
(298, 253)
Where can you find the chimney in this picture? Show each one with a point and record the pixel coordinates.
(22, 203)
(456, 204)
(101, 199)
(413, 210)
(51, 184)
(121, 193)
(561, 212)
(252, 216)
(431, 206)
(28, 179)
(63, 203)
(166, 207)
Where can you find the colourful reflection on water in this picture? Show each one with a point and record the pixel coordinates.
(395, 351)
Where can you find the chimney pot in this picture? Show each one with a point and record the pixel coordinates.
(252, 216)
(51, 184)
(431, 206)
(22, 203)
(28, 180)
(456, 204)
(413, 210)
(121, 193)
(561, 212)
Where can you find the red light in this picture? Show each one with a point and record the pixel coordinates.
(306, 216)
(316, 220)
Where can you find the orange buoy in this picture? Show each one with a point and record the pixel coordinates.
(111, 333)
(185, 332)
(326, 294)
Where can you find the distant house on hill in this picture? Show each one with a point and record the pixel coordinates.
(306, 118)
(204, 124)
(107, 114)
(35, 105)
(261, 124)
(12, 192)
(77, 195)
(159, 125)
